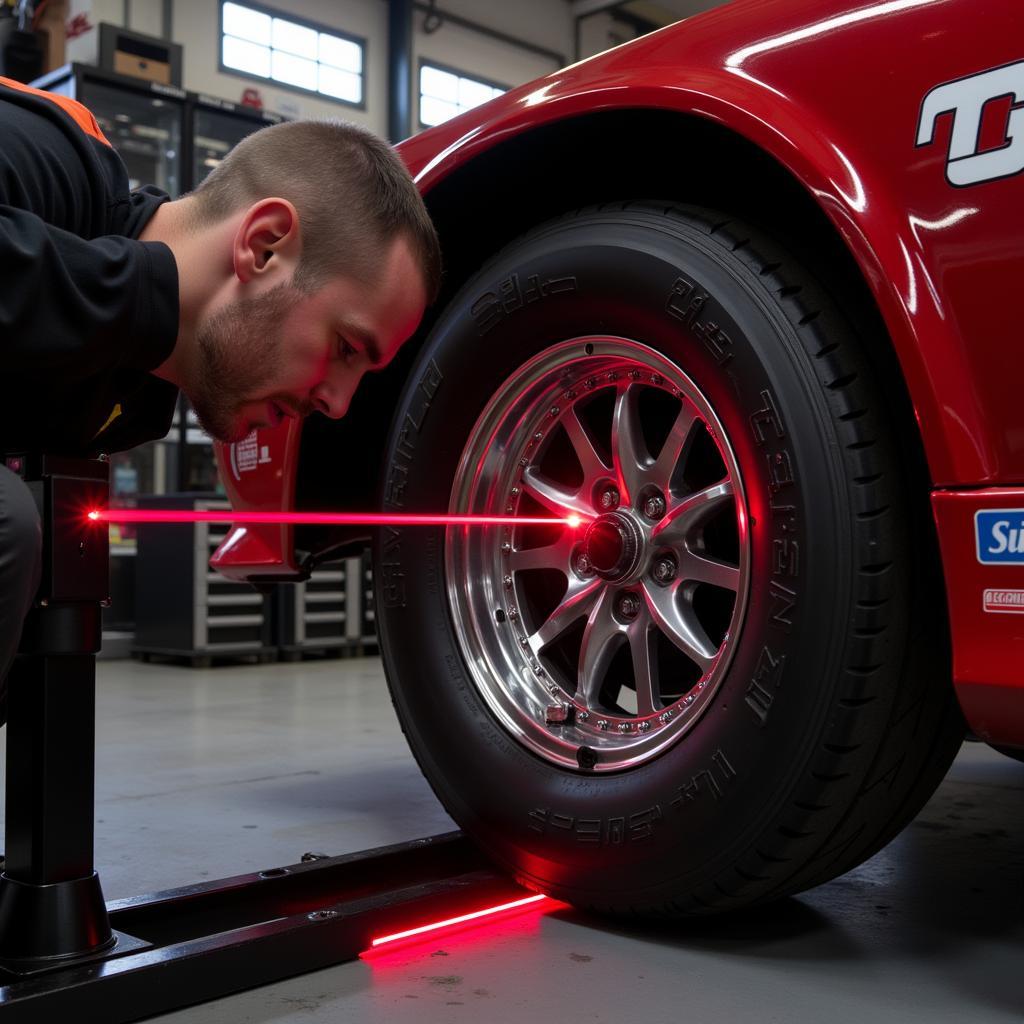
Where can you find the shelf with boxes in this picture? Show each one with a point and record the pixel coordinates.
(332, 612)
(184, 609)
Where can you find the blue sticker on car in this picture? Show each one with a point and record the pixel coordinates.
(999, 533)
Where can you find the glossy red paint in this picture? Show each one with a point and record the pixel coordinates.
(987, 620)
(259, 475)
(791, 77)
(834, 91)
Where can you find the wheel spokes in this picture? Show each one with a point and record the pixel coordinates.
(588, 444)
(577, 602)
(590, 461)
(643, 644)
(679, 623)
(693, 510)
(601, 639)
(554, 498)
(674, 448)
(629, 450)
(550, 556)
(709, 570)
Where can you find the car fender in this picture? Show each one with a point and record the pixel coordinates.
(797, 91)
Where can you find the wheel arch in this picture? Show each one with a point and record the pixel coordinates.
(488, 200)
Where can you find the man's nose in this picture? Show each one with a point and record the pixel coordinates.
(332, 397)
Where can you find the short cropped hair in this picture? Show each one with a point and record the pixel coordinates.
(352, 192)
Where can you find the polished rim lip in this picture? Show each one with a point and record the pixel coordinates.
(504, 674)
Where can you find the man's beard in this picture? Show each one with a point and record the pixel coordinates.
(240, 358)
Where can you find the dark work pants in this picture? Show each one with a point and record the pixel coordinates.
(21, 555)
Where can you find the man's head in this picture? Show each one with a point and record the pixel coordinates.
(332, 260)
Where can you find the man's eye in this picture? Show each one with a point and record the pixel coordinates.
(345, 350)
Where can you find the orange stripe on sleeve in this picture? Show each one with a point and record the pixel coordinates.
(81, 115)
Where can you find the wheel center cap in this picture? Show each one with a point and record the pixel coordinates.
(613, 543)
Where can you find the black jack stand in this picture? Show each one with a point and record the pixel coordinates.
(64, 954)
(51, 903)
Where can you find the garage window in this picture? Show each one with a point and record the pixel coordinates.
(445, 93)
(257, 42)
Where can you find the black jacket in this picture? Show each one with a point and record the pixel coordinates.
(85, 309)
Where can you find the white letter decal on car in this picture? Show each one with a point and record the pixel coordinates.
(999, 535)
(966, 99)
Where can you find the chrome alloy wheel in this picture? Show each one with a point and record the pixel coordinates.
(599, 647)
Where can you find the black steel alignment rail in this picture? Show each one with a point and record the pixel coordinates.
(190, 945)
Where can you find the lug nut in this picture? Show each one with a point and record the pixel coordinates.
(654, 507)
(558, 714)
(629, 606)
(664, 570)
(507, 580)
(583, 566)
(609, 499)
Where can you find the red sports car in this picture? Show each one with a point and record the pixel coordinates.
(742, 294)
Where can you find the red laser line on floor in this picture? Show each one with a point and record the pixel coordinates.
(539, 902)
(119, 515)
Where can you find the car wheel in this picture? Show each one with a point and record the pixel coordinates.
(732, 682)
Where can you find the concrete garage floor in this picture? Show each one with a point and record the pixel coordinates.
(204, 774)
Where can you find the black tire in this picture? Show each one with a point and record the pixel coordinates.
(836, 718)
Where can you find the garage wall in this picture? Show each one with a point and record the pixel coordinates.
(600, 32)
(547, 24)
(493, 60)
(146, 16)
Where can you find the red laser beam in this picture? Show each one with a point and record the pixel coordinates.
(476, 915)
(125, 515)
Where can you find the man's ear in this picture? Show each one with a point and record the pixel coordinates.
(267, 241)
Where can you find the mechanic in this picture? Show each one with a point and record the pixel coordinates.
(305, 259)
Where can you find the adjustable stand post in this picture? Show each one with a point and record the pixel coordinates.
(64, 955)
(51, 903)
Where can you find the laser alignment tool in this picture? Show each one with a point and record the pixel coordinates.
(64, 951)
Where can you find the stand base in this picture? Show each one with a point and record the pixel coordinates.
(209, 940)
(52, 923)
(121, 945)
